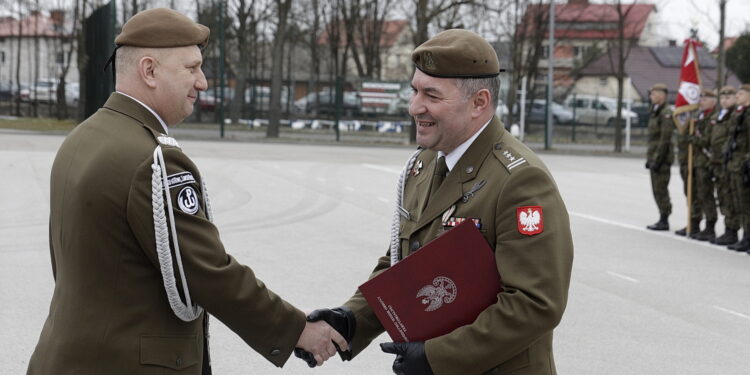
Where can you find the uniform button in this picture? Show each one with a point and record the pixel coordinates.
(275, 352)
(498, 146)
(178, 362)
(415, 245)
(469, 169)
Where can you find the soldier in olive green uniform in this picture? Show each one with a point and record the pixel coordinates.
(138, 264)
(683, 140)
(491, 178)
(701, 155)
(718, 138)
(737, 150)
(660, 153)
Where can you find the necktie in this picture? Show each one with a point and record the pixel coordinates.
(441, 170)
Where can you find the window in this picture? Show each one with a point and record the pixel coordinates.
(2, 57)
(581, 103)
(603, 81)
(600, 106)
(60, 58)
(545, 52)
(579, 51)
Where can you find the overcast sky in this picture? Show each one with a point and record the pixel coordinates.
(680, 15)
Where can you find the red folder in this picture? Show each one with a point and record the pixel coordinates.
(442, 286)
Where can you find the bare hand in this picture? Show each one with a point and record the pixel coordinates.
(318, 338)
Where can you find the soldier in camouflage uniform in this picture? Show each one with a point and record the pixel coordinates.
(683, 140)
(717, 138)
(704, 192)
(737, 148)
(660, 154)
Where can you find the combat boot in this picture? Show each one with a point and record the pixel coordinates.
(728, 238)
(695, 226)
(741, 246)
(662, 224)
(707, 234)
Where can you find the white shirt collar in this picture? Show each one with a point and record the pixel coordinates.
(452, 159)
(163, 125)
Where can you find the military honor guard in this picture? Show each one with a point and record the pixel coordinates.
(719, 133)
(696, 213)
(660, 153)
(468, 167)
(737, 154)
(138, 263)
(704, 184)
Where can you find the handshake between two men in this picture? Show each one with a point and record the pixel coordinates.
(410, 356)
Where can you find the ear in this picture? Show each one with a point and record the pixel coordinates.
(480, 102)
(147, 70)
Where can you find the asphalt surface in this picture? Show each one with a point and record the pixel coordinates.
(311, 220)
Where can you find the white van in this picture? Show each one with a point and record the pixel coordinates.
(597, 110)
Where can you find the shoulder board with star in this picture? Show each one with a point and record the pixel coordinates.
(508, 157)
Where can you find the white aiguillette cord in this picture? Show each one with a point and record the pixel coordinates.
(400, 211)
(159, 190)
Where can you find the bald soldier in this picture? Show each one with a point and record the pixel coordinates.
(660, 153)
(138, 264)
(704, 186)
(469, 167)
(718, 138)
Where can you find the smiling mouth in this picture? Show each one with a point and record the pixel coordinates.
(425, 124)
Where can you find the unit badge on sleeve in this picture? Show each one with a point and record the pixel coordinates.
(187, 200)
(530, 220)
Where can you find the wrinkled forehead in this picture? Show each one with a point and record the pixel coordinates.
(424, 82)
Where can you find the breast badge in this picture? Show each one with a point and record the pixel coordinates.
(530, 220)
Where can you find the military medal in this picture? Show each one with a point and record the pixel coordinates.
(417, 168)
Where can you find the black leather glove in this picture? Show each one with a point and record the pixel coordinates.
(410, 358)
(342, 320)
(648, 164)
(655, 166)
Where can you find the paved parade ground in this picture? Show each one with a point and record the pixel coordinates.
(312, 221)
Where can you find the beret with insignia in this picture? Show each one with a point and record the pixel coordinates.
(660, 87)
(162, 28)
(456, 53)
(745, 87)
(728, 90)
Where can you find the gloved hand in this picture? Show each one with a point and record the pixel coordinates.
(342, 320)
(655, 166)
(648, 164)
(410, 358)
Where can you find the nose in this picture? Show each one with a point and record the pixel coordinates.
(415, 105)
(201, 84)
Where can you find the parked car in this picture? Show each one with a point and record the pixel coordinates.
(591, 109)
(6, 91)
(560, 115)
(44, 91)
(326, 104)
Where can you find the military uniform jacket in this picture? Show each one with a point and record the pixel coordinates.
(515, 334)
(109, 312)
(738, 144)
(701, 146)
(660, 130)
(718, 136)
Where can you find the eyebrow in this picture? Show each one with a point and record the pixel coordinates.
(429, 90)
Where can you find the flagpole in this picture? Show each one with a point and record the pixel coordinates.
(690, 178)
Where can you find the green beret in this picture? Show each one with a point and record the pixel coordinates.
(706, 93)
(162, 28)
(456, 53)
(728, 90)
(745, 87)
(660, 86)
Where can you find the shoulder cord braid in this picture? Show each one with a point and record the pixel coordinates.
(396, 222)
(159, 189)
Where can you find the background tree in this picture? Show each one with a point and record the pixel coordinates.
(277, 56)
(738, 57)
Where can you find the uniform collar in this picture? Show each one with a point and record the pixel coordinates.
(452, 158)
(163, 124)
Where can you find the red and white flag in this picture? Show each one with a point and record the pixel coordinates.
(689, 92)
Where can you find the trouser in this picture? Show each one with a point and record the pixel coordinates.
(696, 211)
(740, 197)
(659, 186)
(726, 201)
(705, 193)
